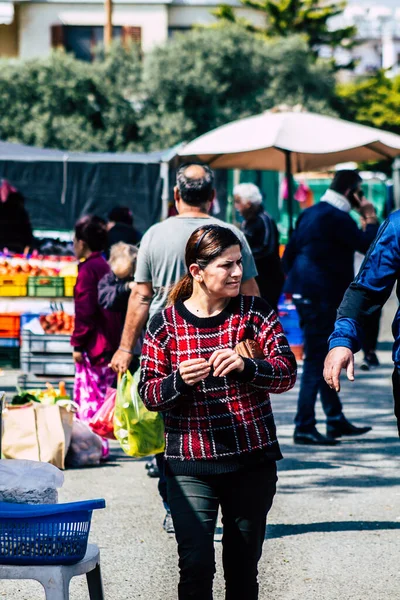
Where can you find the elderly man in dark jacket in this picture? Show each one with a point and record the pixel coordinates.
(263, 236)
(319, 262)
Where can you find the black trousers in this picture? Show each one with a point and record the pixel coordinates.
(317, 321)
(371, 332)
(396, 395)
(162, 482)
(245, 497)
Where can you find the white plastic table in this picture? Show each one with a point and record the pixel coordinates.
(56, 578)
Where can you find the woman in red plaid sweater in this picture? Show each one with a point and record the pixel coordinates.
(221, 445)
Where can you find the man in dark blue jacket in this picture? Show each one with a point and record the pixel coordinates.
(366, 296)
(319, 262)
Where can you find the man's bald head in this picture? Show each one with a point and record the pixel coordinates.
(195, 184)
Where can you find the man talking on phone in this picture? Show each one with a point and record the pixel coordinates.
(319, 263)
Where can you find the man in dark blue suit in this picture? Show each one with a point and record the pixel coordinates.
(319, 262)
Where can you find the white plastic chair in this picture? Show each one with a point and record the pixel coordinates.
(56, 578)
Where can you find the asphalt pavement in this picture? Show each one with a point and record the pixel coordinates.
(333, 531)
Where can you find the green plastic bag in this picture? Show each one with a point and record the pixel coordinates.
(139, 431)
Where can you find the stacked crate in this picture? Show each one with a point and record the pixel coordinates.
(10, 326)
(47, 354)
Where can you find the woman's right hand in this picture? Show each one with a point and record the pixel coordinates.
(194, 370)
(77, 357)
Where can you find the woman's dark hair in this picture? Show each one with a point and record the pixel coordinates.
(121, 214)
(204, 245)
(92, 230)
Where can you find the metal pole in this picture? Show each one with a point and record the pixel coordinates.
(164, 174)
(289, 180)
(108, 7)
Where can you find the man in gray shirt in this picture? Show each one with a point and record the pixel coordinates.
(161, 263)
(161, 259)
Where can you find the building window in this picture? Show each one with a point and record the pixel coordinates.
(81, 40)
(172, 31)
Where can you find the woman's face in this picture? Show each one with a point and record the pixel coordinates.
(79, 248)
(222, 277)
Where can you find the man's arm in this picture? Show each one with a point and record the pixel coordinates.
(367, 294)
(136, 318)
(250, 287)
(359, 239)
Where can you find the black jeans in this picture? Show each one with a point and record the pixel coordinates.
(317, 321)
(162, 482)
(396, 396)
(245, 498)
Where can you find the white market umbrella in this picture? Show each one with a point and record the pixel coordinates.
(290, 141)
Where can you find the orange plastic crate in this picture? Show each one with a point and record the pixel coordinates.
(10, 324)
(13, 285)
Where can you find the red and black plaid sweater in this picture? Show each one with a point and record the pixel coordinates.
(220, 419)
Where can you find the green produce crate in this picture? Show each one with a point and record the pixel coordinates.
(46, 287)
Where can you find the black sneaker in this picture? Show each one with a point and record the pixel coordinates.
(168, 524)
(364, 365)
(153, 471)
(370, 361)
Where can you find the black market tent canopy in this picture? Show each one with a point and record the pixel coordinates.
(61, 186)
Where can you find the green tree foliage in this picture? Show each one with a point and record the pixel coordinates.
(208, 77)
(61, 102)
(374, 101)
(194, 83)
(285, 18)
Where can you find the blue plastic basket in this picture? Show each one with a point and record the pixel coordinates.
(45, 534)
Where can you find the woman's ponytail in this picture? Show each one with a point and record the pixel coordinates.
(182, 290)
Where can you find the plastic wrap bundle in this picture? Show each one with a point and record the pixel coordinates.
(29, 482)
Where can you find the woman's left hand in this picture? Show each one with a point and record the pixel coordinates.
(225, 361)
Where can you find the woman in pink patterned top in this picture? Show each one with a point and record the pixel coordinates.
(221, 444)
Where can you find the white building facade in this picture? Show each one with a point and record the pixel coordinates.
(378, 25)
(31, 28)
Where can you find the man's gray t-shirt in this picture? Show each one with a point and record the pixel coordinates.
(161, 258)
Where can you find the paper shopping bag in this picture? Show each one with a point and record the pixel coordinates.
(50, 433)
(39, 432)
(19, 433)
